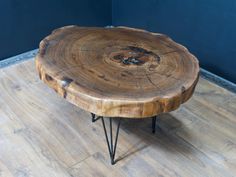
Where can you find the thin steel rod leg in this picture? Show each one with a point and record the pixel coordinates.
(117, 133)
(105, 131)
(94, 118)
(154, 119)
(110, 145)
(111, 141)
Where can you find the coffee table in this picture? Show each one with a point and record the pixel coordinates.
(117, 73)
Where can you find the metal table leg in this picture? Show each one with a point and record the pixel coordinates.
(110, 144)
(94, 118)
(154, 120)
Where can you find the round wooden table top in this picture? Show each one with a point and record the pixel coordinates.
(117, 72)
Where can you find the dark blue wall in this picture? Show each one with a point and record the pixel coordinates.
(206, 27)
(23, 23)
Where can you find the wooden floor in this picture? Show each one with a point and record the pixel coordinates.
(41, 135)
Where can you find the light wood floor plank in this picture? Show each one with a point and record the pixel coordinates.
(43, 135)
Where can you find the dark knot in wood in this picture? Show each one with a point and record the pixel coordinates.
(135, 56)
(66, 81)
(129, 60)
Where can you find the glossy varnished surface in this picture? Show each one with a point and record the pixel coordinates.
(119, 71)
(42, 135)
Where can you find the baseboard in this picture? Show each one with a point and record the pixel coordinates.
(204, 73)
(218, 80)
(18, 58)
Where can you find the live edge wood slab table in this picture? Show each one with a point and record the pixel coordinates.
(117, 72)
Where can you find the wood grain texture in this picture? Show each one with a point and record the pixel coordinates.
(47, 136)
(120, 71)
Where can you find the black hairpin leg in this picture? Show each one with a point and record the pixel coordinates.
(110, 145)
(94, 118)
(154, 120)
